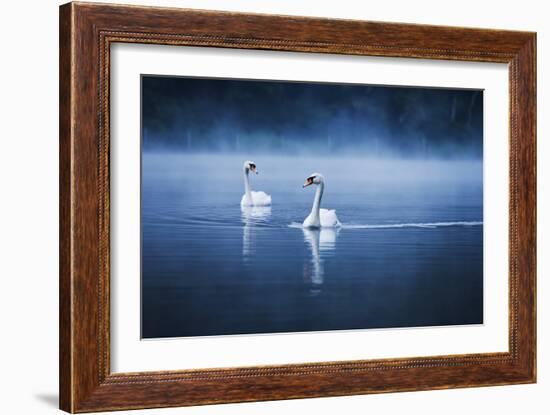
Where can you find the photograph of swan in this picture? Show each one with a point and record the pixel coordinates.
(250, 197)
(387, 232)
(318, 217)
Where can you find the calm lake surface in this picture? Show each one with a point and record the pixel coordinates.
(409, 253)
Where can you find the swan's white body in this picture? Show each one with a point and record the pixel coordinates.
(251, 198)
(326, 219)
(256, 199)
(319, 218)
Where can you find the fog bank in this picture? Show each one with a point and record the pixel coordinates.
(266, 117)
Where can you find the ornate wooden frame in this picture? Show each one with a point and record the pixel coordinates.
(86, 33)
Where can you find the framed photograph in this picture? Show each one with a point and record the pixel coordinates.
(258, 207)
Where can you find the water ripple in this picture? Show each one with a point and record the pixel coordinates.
(426, 225)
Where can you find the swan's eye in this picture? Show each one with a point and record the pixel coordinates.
(310, 179)
(252, 166)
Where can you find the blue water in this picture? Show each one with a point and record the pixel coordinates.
(409, 253)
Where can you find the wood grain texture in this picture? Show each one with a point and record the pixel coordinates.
(86, 33)
(65, 246)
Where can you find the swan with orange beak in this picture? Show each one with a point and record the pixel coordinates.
(319, 218)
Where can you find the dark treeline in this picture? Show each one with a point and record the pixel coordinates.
(193, 114)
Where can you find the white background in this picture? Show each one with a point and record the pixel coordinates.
(29, 208)
(129, 354)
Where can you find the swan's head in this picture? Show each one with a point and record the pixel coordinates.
(250, 166)
(314, 178)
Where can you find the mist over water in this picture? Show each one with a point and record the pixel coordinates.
(364, 191)
(310, 119)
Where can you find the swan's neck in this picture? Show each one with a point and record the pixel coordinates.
(317, 200)
(247, 190)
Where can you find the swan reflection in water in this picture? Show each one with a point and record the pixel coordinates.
(321, 243)
(252, 216)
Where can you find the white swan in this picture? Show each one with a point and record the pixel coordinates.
(251, 198)
(318, 217)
